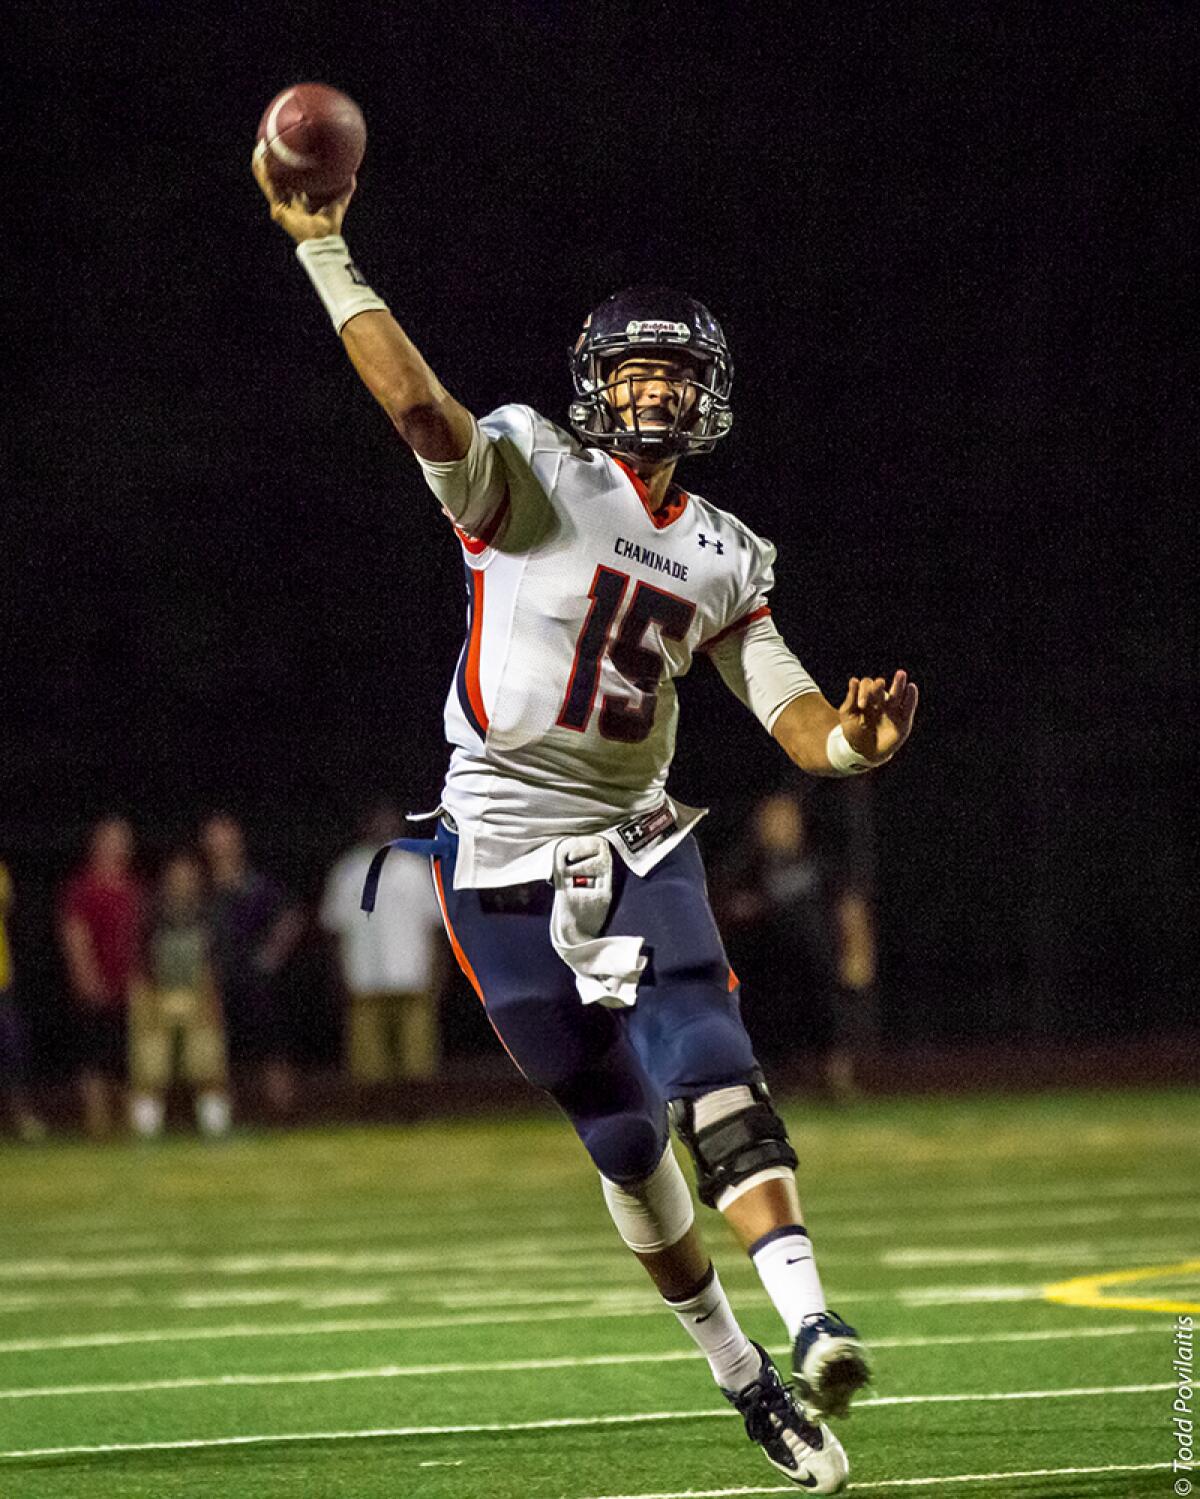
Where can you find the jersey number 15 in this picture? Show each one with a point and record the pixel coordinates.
(626, 719)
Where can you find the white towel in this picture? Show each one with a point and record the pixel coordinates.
(606, 968)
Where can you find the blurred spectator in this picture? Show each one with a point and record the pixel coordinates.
(13, 1055)
(390, 963)
(175, 1012)
(100, 929)
(255, 928)
(802, 938)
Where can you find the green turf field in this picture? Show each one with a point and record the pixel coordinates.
(444, 1311)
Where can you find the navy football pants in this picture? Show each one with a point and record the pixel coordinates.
(611, 1071)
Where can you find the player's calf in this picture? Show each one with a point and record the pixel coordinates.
(744, 1168)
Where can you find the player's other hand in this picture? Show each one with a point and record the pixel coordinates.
(294, 215)
(875, 718)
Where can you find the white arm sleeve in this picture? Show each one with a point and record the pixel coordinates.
(757, 667)
(470, 488)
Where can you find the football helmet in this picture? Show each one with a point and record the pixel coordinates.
(651, 320)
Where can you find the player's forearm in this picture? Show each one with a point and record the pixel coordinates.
(802, 730)
(757, 667)
(392, 368)
(429, 419)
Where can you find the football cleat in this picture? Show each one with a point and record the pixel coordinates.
(829, 1365)
(811, 1456)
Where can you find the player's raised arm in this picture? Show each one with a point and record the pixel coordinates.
(436, 426)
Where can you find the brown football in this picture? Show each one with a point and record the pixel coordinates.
(313, 138)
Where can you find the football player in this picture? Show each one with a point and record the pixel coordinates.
(570, 882)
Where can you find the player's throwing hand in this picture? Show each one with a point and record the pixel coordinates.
(294, 215)
(875, 718)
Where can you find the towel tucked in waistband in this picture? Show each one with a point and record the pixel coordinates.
(606, 969)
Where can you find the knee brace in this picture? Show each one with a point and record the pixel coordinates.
(739, 1136)
(652, 1215)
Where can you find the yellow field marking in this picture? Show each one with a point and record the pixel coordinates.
(1089, 1290)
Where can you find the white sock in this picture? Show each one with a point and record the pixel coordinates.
(709, 1321)
(146, 1115)
(212, 1113)
(785, 1264)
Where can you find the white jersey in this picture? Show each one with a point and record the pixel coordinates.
(583, 609)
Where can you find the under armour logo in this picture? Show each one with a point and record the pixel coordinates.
(714, 542)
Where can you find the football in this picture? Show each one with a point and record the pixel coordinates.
(312, 138)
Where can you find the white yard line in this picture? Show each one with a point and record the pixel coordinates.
(904, 1228)
(641, 1308)
(845, 1219)
(335, 1294)
(511, 1254)
(1021, 1195)
(596, 1307)
(33, 1301)
(911, 1257)
(901, 1483)
(589, 1307)
(165, 1251)
(291, 1220)
(516, 1366)
(521, 1254)
(557, 1423)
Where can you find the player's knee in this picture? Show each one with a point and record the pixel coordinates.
(735, 1138)
(626, 1148)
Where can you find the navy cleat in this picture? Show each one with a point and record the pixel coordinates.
(811, 1456)
(829, 1365)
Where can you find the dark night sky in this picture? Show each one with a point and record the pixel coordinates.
(950, 246)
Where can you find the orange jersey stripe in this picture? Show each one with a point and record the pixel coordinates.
(739, 624)
(477, 545)
(474, 650)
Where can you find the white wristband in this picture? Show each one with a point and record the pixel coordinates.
(844, 760)
(338, 280)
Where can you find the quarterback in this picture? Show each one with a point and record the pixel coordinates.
(569, 880)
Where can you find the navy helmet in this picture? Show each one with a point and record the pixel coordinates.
(651, 320)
